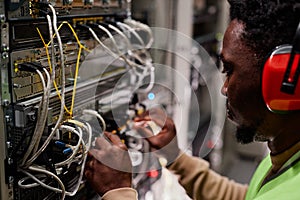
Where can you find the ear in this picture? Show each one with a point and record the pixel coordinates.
(279, 81)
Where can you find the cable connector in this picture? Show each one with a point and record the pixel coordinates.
(60, 144)
(38, 65)
(27, 67)
(68, 151)
(82, 26)
(67, 128)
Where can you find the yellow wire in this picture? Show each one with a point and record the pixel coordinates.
(49, 63)
(70, 112)
(46, 47)
(74, 34)
(75, 81)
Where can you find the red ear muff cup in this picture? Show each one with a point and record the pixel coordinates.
(272, 77)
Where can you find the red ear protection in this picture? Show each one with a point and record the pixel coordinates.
(280, 76)
(272, 81)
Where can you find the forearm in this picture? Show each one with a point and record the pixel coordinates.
(202, 183)
(121, 193)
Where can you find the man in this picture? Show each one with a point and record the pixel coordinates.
(255, 29)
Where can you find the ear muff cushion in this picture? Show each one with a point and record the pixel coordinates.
(272, 76)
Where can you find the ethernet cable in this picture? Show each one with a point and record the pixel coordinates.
(147, 63)
(75, 149)
(99, 41)
(29, 185)
(62, 190)
(144, 165)
(64, 163)
(45, 144)
(96, 114)
(43, 106)
(138, 25)
(130, 47)
(131, 30)
(81, 46)
(120, 54)
(130, 63)
(128, 43)
(42, 111)
(85, 126)
(151, 81)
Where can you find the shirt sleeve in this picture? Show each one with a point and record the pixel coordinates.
(200, 182)
(121, 193)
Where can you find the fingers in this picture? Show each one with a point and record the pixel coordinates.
(115, 140)
(108, 140)
(143, 131)
(102, 143)
(163, 138)
(159, 116)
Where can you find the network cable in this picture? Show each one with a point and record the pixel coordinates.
(45, 144)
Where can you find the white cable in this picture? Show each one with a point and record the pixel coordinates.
(80, 177)
(144, 73)
(62, 94)
(45, 109)
(122, 35)
(27, 186)
(96, 114)
(131, 30)
(113, 54)
(129, 62)
(127, 42)
(101, 43)
(89, 131)
(130, 48)
(130, 51)
(144, 165)
(151, 82)
(146, 28)
(34, 136)
(75, 149)
(87, 127)
(111, 38)
(41, 118)
(62, 190)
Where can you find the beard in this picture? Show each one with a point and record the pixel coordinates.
(249, 134)
(245, 135)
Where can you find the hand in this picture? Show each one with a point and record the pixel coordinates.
(165, 142)
(109, 166)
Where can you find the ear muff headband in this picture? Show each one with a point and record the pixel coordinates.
(280, 76)
(289, 82)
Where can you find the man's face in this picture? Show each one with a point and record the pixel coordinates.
(245, 105)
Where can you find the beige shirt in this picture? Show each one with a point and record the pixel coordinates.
(198, 180)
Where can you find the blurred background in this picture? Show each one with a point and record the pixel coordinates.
(208, 135)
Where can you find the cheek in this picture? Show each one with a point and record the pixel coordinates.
(245, 98)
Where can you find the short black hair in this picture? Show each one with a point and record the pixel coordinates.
(268, 23)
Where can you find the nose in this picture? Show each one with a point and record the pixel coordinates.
(224, 88)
